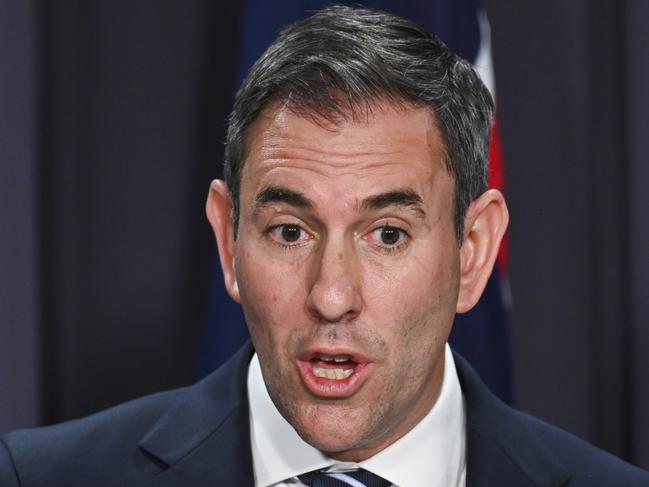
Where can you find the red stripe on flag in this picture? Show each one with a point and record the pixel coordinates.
(497, 181)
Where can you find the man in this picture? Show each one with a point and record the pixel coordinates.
(353, 224)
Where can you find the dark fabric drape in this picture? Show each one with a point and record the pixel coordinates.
(111, 126)
(569, 77)
(19, 362)
(133, 98)
(636, 147)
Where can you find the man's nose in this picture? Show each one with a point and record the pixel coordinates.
(335, 293)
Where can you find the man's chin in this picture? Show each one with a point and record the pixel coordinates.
(334, 426)
(335, 433)
(344, 449)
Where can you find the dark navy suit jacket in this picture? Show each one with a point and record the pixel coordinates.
(199, 436)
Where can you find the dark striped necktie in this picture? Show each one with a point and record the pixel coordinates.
(358, 478)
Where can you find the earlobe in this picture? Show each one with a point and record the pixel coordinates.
(484, 227)
(219, 213)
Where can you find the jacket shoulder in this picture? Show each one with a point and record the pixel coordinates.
(7, 470)
(587, 464)
(101, 449)
(186, 434)
(509, 447)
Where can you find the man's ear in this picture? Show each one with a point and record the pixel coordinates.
(219, 213)
(484, 227)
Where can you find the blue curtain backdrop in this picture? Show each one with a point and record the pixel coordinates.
(482, 334)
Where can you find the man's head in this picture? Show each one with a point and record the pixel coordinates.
(356, 222)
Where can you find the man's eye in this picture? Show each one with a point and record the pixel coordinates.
(287, 234)
(291, 233)
(388, 236)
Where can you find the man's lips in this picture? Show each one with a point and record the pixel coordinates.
(333, 373)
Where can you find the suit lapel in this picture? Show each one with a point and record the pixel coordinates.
(204, 438)
(501, 447)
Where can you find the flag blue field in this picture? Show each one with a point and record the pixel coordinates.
(481, 335)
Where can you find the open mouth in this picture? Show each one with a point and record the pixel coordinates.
(337, 367)
(333, 374)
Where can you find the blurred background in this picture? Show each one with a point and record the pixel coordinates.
(112, 117)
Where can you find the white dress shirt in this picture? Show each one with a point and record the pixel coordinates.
(432, 454)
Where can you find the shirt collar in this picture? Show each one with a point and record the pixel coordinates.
(432, 453)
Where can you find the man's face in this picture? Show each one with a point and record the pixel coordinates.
(348, 268)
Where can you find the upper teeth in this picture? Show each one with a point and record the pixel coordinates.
(333, 358)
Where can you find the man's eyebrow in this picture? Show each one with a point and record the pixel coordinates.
(401, 197)
(277, 194)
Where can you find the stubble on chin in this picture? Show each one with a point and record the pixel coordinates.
(334, 427)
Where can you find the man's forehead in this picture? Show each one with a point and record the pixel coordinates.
(396, 149)
(281, 122)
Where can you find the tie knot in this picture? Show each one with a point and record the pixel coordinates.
(357, 478)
